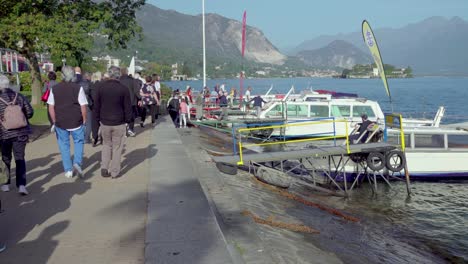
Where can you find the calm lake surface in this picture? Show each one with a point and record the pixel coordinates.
(436, 216)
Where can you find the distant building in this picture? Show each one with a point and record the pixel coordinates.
(111, 61)
(375, 72)
(179, 77)
(175, 69)
(263, 73)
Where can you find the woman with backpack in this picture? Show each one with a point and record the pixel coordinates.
(149, 100)
(14, 132)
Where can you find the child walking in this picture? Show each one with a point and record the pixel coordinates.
(183, 113)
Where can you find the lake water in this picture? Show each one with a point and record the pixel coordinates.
(436, 216)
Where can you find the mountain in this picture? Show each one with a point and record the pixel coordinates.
(170, 37)
(337, 54)
(433, 46)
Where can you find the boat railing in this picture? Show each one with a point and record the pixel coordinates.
(237, 134)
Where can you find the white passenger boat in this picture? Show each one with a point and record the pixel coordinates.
(320, 111)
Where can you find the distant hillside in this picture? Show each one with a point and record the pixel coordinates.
(170, 36)
(338, 54)
(434, 46)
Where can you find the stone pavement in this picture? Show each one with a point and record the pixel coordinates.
(157, 203)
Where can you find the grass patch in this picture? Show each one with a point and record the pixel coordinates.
(40, 115)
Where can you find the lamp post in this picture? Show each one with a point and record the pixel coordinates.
(204, 45)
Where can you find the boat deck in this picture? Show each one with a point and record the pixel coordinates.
(309, 152)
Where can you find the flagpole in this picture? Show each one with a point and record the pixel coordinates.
(204, 45)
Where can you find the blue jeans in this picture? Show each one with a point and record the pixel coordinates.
(63, 140)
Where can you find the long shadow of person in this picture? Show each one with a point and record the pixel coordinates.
(138, 156)
(38, 250)
(48, 197)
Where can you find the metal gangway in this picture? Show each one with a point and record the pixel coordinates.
(326, 161)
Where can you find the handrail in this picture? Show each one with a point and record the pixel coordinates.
(311, 122)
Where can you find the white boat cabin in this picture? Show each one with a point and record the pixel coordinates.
(324, 108)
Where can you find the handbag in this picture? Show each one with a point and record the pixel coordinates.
(45, 95)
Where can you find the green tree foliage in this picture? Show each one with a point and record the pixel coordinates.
(164, 71)
(65, 29)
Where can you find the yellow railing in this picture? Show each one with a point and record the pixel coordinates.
(241, 130)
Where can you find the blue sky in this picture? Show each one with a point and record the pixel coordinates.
(288, 23)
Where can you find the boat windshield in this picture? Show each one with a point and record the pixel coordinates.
(341, 110)
(359, 110)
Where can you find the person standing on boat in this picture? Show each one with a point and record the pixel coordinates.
(223, 103)
(247, 98)
(257, 102)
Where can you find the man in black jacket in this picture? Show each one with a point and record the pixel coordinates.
(113, 109)
(134, 89)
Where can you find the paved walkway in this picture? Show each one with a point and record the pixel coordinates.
(157, 204)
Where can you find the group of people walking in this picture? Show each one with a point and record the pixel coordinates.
(82, 108)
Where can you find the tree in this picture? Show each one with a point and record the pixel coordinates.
(186, 69)
(65, 29)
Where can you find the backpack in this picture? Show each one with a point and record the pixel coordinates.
(174, 105)
(13, 116)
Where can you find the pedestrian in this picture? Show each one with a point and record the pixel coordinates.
(134, 90)
(78, 76)
(14, 132)
(157, 88)
(52, 76)
(183, 113)
(149, 100)
(173, 106)
(85, 83)
(257, 102)
(223, 103)
(67, 107)
(95, 80)
(189, 94)
(247, 98)
(113, 109)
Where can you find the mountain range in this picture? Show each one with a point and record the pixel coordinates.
(434, 46)
(338, 54)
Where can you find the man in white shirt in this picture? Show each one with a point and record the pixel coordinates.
(67, 108)
(247, 98)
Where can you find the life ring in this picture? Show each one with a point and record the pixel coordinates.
(395, 160)
(376, 161)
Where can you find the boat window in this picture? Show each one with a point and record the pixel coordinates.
(297, 110)
(358, 110)
(428, 141)
(396, 140)
(341, 110)
(319, 111)
(457, 141)
(276, 111)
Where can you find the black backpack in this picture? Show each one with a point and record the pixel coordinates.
(174, 105)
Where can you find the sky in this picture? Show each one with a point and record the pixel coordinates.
(288, 23)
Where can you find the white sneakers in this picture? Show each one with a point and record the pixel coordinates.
(22, 190)
(69, 174)
(6, 188)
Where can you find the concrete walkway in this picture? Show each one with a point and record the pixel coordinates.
(157, 204)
